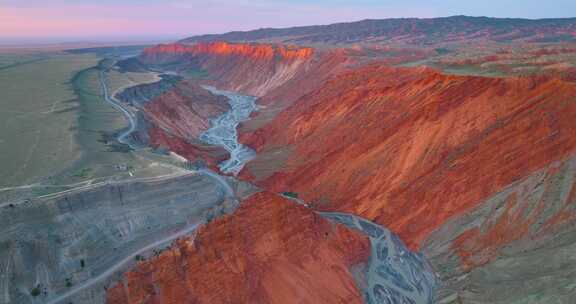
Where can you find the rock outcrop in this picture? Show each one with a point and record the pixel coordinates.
(176, 113)
(185, 110)
(270, 250)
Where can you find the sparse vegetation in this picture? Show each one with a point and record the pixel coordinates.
(290, 194)
(36, 291)
(38, 106)
(84, 173)
(139, 258)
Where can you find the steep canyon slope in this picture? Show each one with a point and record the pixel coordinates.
(515, 246)
(176, 113)
(421, 152)
(270, 251)
(410, 148)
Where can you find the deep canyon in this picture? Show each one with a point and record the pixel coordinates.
(414, 149)
(400, 161)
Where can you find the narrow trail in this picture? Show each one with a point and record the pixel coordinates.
(229, 192)
(92, 184)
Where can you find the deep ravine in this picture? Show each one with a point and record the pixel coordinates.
(394, 274)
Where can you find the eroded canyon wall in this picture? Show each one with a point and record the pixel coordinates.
(270, 250)
(409, 148)
(176, 113)
(253, 69)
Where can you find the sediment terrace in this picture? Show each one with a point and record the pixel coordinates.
(73, 244)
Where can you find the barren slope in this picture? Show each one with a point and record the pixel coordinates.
(410, 148)
(270, 251)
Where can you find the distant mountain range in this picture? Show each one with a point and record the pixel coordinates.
(411, 31)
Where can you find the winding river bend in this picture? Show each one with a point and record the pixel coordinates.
(394, 273)
(223, 131)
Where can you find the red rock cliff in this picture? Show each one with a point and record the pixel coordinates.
(270, 251)
(253, 51)
(254, 69)
(184, 110)
(410, 148)
(179, 115)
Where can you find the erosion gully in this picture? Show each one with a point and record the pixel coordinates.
(394, 274)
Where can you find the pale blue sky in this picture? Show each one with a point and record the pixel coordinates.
(120, 19)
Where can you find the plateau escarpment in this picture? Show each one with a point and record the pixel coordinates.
(228, 65)
(268, 71)
(278, 75)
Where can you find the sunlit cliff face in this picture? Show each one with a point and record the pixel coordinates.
(253, 51)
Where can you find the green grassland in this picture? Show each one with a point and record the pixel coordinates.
(10, 60)
(98, 122)
(37, 115)
(56, 129)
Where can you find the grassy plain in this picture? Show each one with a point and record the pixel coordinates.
(98, 122)
(56, 129)
(37, 114)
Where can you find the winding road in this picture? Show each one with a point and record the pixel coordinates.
(118, 105)
(122, 263)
